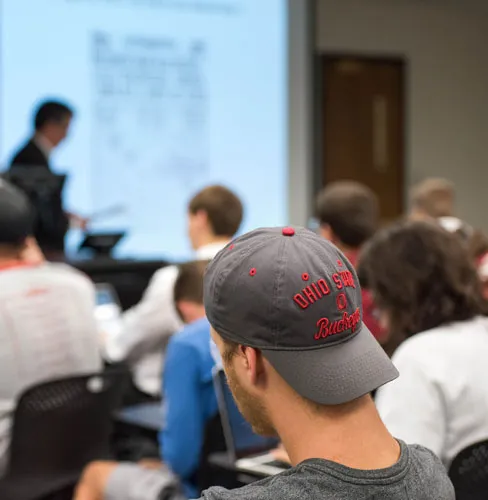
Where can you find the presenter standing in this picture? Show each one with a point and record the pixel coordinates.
(52, 121)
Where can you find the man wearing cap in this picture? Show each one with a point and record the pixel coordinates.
(286, 315)
(47, 321)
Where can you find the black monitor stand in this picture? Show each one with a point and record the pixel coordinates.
(101, 244)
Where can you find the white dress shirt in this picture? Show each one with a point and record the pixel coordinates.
(43, 144)
(440, 399)
(148, 326)
(47, 331)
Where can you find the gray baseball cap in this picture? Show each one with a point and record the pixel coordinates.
(295, 296)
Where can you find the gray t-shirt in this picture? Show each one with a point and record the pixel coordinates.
(418, 475)
(47, 331)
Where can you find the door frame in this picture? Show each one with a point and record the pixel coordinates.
(319, 85)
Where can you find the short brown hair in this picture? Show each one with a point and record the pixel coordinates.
(433, 197)
(223, 208)
(189, 283)
(422, 276)
(350, 209)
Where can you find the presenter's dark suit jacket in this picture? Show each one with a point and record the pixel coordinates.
(52, 223)
(30, 155)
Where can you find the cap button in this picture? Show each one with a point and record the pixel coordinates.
(288, 231)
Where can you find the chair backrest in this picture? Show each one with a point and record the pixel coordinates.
(213, 442)
(469, 472)
(60, 426)
(240, 438)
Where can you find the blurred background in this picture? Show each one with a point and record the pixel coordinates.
(274, 99)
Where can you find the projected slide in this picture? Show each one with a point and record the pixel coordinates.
(169, 96)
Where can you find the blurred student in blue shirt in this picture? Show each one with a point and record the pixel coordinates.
(188, 390)
(189, 398)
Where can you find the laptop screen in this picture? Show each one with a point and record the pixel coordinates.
(241, 439)
(104, 296)
(108, 315)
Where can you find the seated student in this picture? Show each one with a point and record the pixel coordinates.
(188, 390)
(300, 368)
(432, 198)
(348, 213)
(214, 216)
(47, 320)
(426, 286)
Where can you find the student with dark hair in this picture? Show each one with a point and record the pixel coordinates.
(47, 314)
(348, 214)
(188, 391)
(52, 120)
(188, 290)
(285, 312)
(425, 284)
(214, 212)
(214, 216)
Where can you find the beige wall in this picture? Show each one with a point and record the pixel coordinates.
(447, 89)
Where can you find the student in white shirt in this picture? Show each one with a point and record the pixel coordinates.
(426, 285)
(214, 216)
(47, 320)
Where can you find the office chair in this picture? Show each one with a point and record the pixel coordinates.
(58, 428)
(469, 472)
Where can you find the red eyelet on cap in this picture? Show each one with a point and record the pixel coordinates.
(252, 272)
(231, 247)
(288, 231)
(305, 277)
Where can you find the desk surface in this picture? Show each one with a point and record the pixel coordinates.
(148, 416)
(223, 460)
(226, 463)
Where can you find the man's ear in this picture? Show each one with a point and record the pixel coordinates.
(253, 361)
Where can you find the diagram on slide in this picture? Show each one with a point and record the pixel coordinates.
(150, 111)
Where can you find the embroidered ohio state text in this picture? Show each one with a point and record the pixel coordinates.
(325, 327)
(318, 289)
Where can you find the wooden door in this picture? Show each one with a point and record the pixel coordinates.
(362, 126)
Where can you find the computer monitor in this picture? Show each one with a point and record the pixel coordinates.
(44, 190)
(240, 439)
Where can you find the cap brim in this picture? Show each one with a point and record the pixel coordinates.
(335, 374)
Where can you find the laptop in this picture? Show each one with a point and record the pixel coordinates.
(108, 315)
(148, 416)
(250, 452)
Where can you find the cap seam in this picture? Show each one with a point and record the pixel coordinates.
(223, 275)
(275, 309)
